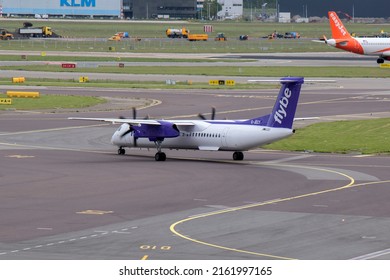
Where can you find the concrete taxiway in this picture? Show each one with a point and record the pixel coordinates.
(65, 194)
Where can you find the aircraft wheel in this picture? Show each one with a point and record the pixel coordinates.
(121, 151)
(380, 60)
(238, 156)
(160, 156)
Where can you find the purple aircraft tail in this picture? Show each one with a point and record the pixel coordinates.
(285, 106)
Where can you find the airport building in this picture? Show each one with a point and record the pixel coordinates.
(146, 9)
(372, 8)
(133, 9)
(231, 9)
(63, 8)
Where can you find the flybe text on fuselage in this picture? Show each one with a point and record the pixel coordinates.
(78, 3)
(281, 113)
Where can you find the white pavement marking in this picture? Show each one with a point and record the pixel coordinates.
(372, 255)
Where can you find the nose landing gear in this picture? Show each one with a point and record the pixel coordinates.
(159, 156)
(121, 151)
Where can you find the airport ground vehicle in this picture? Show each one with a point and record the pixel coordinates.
(274, 35)
(291, 35)
(185, 33)
(44, 31)
(5, 35)
(177, 33)
(198, 37)
(220, 37)
(119, 36)
(114, 38)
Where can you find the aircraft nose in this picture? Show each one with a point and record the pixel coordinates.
(114, 137)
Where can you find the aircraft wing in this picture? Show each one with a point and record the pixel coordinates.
(112, 120)
(136, 121)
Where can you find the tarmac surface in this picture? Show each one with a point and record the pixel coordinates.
(65, 194)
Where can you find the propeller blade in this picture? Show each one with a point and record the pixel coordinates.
(213, 110)
(134, 113)
(201, 116)
(126, 132)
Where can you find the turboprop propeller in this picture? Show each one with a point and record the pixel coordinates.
(201, 116)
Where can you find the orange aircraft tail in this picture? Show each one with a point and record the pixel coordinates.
(338, 29)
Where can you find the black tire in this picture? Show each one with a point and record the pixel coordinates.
(238, 156)
(160, 156)
(380, 60)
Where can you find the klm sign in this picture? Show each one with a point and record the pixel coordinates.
(78, 3)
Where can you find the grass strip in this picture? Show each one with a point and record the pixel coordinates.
(362, 137)
(265, 71)
(52, 102)
(136, 84)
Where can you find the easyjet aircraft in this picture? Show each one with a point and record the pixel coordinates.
(211, 135)
(364, 45)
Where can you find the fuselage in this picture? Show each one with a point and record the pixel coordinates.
(209, 135)
(364, 46)
(375, 46)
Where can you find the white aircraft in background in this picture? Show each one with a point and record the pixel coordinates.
(364, 45)
(211, 135)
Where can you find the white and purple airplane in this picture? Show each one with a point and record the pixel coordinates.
(211, 135)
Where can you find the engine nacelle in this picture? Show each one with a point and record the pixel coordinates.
(127, 135)
(156, 132)
(331, 42)
(124, 136)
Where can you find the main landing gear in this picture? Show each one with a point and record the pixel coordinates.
(238, 156)
(159, 156)
(380, 61)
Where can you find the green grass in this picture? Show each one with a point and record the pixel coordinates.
(95, 34)
(119, 59)
(365, 137)
(135, 84)
(164, 45)
(336, 72)
(51, 102)
(153, 39)
(156, 29)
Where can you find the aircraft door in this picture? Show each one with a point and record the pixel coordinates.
(224, 137)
